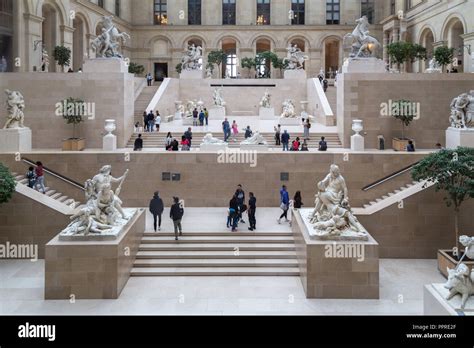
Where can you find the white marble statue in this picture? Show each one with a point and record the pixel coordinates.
(362, 44)
(191, 58)
(190, 106)
(255, 139)
(332, 217)
(289, 110)
(433, 67)
(294, 58)
(468, 243)
(180, 109)
(210, 140)
(218, 99)
(208, 72)
(462, 111)
(460, 281)
(15, 107)
(266, 100)
(45, 61)
(107, 44)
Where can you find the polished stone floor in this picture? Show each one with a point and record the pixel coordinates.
(401, 293)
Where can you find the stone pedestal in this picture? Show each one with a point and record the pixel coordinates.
(214, 147)
(105, 65)
(217, 113)
(109, 142)
(435, 303)
(15, 140)
(456, 137)
(188, 121)
(284, 121)
(264, 148)
(295, 74)
(364, 65)
(357, 142)
(267, 113)
(191, 74)
(336, 269)
(92, 269)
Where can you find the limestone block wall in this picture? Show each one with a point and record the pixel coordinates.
(360, 97)
(112, 95)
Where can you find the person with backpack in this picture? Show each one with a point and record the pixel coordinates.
(323, 145)
(176, 214)
(202, 115)
(156, 208)
(206, 116)
(31, 176)
(39, 171)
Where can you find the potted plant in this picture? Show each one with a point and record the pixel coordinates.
(248, 63)
(217, 58)
(179, 68)
(444, 56)
(402, 53)
(136, 69)
(404, 111)
(451, 171)
(73, 112)
(7, 184)
(62, 55)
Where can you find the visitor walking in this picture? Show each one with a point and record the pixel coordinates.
(157, 121)
(323, 145)
(156, 208)
(248, 132)
(284, 204)
(149, 79)
(325, 85)
(234, 213)
(39, 171)
(206, 116)
(235, 131)
(138, 145)
(168, 141)
(151, 121)
(189, 135)
(285, 140)
(277, 135)
(195, 117)
(307, 126)
(240, 194)
(251, 212)
(226, 130)
(145, 121)
(31, 176)
(202, 115)
(176, 214)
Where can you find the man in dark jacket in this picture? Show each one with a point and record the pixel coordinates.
(189, 135)
(240, 194)
(138, 145)
(252, 211)
(234, 212)
(156, 208)
(285, 140)
(248, 132)
(176, 214)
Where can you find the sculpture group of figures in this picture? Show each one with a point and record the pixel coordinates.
(255, 139)
(44, 61)
(192, 58)
(433, 66)
(295, 58)
(462, 111)
(103, 209)
(218, 98)
(289, 109)
(362, 44)
(15, 106)
(461, 279)
(106, 45)
(266, 100)
(332, 217)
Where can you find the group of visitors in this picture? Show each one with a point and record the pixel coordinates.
(324, 82)
(35, 177)
(172, 144)
(200, 117)
(233, 130)
(283, 139)
(151, 121)
(237, 208)
(157, 207)
(285, 203)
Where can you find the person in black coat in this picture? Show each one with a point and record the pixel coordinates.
(240, 195)
(234, 208)
(156, 208)
(252, 211)
(189, 135)
(138, 145)
(176, 214)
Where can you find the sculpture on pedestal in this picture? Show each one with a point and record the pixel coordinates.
(362, 44)
(192, 57)
(462, 111)
(256, 139)
(103, 209)
(460, 281)
(332, 217)
(180, 108)
(190, 106)
(266, 100)
(218, 99)
(468, 243)
(106, 45)
(15, 107)
(45, 61)
(294, 58)
(433, 67)
(289, 110)
(210, 140)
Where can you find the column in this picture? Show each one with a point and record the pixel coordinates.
(468, 52)
(386, 41)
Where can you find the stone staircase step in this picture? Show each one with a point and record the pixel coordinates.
(263, 254)
(221, 234)
(178, 246)
(216, 271)
(62, 199)
(216, 263)
(217, 240)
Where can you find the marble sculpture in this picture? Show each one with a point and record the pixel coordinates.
(106, 45)
(289, 110)
(210, 140)
(15, 107)
(191, 58)
(266, 100)
(362, 44)
(462, 111)
(294, 58)
(218, 99)
(256, 139)
(460, 281)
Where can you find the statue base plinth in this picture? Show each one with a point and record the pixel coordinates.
(214, 147)
(267, 113)
(105, 65)
(456, 137)
(217, 113)
(286, 121)
(248, 147)
(191, 75)
(178, 116)
(435, 303)
(109, 142)
(433, 71)
(15, 140)
(188, 121)
(357, 143)
(295, 74)
(364, 65)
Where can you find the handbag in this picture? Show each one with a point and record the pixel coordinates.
(283, 206)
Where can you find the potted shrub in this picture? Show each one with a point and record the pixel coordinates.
(7, 184)
(136, 69)
(402, 53)
(403, 111)
(216, 58)
(73, 112)
(249, 64)
(452, 172)
(444, 56)
(62, 55)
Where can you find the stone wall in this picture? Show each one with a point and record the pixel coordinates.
(360, 97)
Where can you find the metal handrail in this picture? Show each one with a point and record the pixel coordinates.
(56, 174)
(389, 177)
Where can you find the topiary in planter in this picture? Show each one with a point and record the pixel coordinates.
(7, 184)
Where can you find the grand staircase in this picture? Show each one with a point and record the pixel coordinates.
(143, 100)
(217, 254)
(156, 140)
(331, 94)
